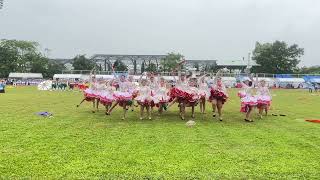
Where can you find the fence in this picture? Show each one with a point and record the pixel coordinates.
(198, 73)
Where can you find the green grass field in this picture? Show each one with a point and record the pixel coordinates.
(79, 144)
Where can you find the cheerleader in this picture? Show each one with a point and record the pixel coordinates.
(203, 92)
(90, 93)
(248, 100)
(263, 97)
(145, 98)
(162, 95)
(122, 96)
(99, 87)
(177, 93)
(106, 96)
(153, 83)
(133, 89)
(218, 95)
(192, 98)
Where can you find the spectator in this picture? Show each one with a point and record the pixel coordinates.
(2, 86)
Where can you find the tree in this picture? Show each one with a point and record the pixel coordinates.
(118, 65)
(38, 63)
(53, 68)
(142, 67)
(20, 56)
(310, 70)
(168, 63)
(80, 62)
(276, 57)
(151, 67)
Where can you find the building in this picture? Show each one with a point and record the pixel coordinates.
(236, 65)
(135, 63)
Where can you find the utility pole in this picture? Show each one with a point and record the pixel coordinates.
(249, 60)
(47, 50)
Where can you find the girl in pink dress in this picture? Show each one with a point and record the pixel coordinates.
(162, 95)
(192, 98)
(248, 100)
(106, 95)
(218, 95)
(179, 93)
(145, 98)
(133, 89)
(204, 93)
(263, 98)
(122, 96)
(91, 93)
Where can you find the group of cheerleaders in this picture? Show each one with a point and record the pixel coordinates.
(153, 91)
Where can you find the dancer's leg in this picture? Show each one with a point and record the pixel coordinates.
(93, 106)
(192, 111)
(114, 105)
(204, 105)
(172, 102)
(141, 111)
(97, 104)
(214, 105)
(149, 111)
(81, 102)
(248, 114)
(124, 112)
(219, 106)
(183, 110)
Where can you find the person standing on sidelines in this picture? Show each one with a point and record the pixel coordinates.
(2, 86)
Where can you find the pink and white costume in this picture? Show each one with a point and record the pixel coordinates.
(154, 85)
(263, 96)
(145, 98)
(204, 91)
(123, 93)
(91, 93)
(193, 100)
(218, 92)
(180, 91)
(106, 95)
(162, 95)
(247, 98)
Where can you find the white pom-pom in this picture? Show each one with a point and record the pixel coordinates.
(190, 123)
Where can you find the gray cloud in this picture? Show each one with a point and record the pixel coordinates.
(199, 29)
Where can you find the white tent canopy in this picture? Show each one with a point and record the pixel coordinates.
(265, 79)
(67, 76)
(290, 80)
(229, 81)
(315, 80)
(104, 76)
(26, 75)
(294, 82)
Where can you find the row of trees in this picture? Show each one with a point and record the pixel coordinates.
(24, 56)
(276, 58)
(80, 62)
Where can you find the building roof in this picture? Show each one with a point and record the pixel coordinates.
(67, 76)
(26, 75)
(235, 63)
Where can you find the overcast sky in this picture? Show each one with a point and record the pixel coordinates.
(199, 29)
